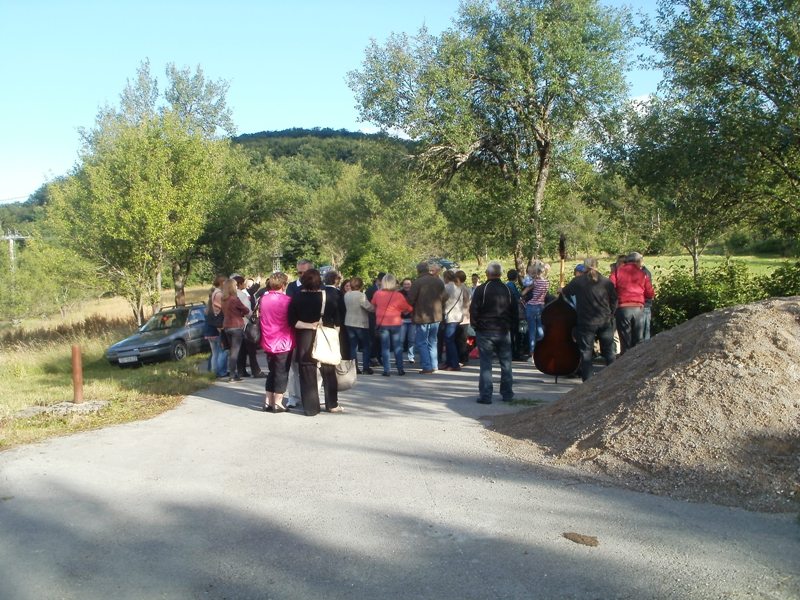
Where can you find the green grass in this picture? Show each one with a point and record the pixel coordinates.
(757, 265)
(38, 372)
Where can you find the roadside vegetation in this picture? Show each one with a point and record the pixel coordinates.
(36, 370)
(163, 196)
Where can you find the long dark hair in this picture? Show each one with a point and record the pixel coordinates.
(311, 280)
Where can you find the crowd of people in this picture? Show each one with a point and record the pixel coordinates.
(434, 320)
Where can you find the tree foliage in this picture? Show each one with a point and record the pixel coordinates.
(737, 60)
(510, 83)
(139, 200)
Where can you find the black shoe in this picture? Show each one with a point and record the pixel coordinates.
(482, 401)
(244, 374)
(401, 372)
(385, 374)
(359, 372)
(260, 375)
(368, 371)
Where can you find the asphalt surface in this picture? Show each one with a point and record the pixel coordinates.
(401, 496)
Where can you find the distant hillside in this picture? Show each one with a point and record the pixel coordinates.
(331, 144)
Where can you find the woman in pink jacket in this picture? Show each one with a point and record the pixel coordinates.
(390, 305)
(277, 339)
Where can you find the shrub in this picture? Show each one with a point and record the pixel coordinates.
(783, 281)
(680, 297)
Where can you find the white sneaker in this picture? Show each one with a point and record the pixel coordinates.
(530, 360)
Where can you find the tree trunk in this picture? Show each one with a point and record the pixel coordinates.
(519, 255)
(180, 273)
(542, 173)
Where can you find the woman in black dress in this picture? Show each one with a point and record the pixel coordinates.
(305, 308)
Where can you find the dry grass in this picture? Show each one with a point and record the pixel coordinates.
(35, 370)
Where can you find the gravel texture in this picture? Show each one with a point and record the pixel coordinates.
(707, 411)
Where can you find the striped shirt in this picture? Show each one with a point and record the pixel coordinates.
(540, 288)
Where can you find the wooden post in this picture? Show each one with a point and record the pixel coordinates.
(77, 375)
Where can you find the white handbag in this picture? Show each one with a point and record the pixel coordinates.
(326, 348)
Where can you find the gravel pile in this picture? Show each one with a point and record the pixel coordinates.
(708, 411)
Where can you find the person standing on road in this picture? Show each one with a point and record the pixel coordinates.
(390, 305)
(218, 362)
(293, 388)
(595, 303)
(277, 339)
(356, 322)
(306, 309)
(494, 314)
(427, 296)
(634, 288)
(233, 324)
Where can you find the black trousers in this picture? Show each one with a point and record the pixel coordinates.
(307, 369)
(279, 364)
(585, 335)
(247, 350)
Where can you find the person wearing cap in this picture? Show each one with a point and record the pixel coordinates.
(595, 303)
(634, 288)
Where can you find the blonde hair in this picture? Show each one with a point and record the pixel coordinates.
(389, 282)
(229, 288)
(277, 281)
(536, 268)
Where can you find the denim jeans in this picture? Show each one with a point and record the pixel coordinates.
(533, 315)
(359, 336)
(648, 315)
(427, 334)
(488, 344)
(390, 338)
(218, 361)
(630, 325)
(408, 336)
(450, 331)
(586, 335)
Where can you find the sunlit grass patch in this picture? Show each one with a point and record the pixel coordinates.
(39, 373)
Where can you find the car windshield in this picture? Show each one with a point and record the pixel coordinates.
(165, 320)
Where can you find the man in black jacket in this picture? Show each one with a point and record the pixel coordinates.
(595, 302)
(493, 314)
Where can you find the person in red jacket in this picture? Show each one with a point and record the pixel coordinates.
(633, 289)
(390, 304)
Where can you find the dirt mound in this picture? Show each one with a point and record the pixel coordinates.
(707, 411)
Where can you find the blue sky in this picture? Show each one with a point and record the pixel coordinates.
(286, 62)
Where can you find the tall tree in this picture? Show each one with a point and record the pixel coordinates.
(139, 199)
(502, 89)
(698, 179)
(147, 181)
(738, 60)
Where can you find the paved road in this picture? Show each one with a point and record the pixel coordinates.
(401, 496)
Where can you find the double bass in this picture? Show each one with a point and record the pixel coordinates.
(557, 352)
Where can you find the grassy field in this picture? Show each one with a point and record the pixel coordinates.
(758, 265)
(36, 371)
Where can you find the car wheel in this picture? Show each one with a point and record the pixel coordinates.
(178, 351)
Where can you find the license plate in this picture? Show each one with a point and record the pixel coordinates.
(128, 359)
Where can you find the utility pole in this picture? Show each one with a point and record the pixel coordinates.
(12, 238)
